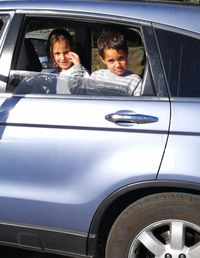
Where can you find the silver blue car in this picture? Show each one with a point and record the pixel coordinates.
(86, 169)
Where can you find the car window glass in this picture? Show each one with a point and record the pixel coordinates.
(33, 73)
(180, 55)
(50, 83)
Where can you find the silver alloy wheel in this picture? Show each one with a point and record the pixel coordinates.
(167, 239)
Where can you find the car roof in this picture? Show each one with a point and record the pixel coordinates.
(178, 15)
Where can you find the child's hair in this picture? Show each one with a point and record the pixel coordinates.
(55, 36)
(111, 39)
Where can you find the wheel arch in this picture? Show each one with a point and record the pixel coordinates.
(114, 204)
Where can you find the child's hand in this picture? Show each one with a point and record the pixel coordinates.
(74, 58)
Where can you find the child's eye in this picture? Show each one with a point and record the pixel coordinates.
(121, 58)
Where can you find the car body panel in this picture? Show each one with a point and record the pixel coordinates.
(174, 15)
(184, 135)
(45, 144)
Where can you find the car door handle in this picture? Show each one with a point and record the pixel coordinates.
(127, 117)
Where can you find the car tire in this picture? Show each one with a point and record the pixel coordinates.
(165, 225)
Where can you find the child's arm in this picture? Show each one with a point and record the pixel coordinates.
(78, 69)
(135, 85)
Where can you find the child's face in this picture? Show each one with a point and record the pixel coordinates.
(116, 61)
(60, 51)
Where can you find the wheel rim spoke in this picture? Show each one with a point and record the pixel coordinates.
(194, 251)
(177, 235)
(152, 243)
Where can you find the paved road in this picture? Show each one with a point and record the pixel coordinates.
(6, 252)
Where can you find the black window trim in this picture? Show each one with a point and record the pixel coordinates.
(154, 61)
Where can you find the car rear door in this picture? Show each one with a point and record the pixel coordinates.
(180, 54)
(62, 155)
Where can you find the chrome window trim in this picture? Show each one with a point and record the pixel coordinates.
(95, 17)
(185, 99)
(9, 15)
(87, 97)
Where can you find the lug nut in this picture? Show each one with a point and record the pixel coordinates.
(168, 256)
(182, 256)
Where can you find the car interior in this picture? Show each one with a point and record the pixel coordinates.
(31, 48)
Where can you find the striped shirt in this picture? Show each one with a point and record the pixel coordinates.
(128, 79)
